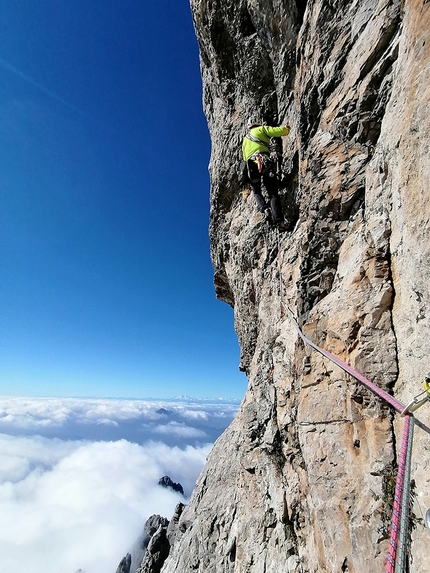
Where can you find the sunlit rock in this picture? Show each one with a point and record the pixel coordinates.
(302, 479)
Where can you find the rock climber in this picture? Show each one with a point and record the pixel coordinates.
(256, 154)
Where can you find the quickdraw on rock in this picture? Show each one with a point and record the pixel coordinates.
(420, 399)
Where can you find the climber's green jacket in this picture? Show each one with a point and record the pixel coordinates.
(263, 133)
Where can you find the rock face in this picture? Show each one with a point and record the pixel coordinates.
(166, 481)
(132, 561)
(302, 479)
(160, 535)
(125, 564)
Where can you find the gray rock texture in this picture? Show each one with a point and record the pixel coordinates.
(156, 552)
(302, 480)
(125, 564)
(160, 535)
(166, 481)
(152, 524)
(133, 560)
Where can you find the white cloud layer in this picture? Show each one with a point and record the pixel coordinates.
(68, 504)
(101, 419)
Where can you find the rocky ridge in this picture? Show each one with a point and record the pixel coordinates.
(302, 480)
(167, 482)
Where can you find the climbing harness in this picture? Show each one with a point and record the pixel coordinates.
(259, 158)
(256, 140)
(262, 159)
(396, 561)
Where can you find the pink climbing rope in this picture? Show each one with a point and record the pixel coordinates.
(281, 290)
(347, 368)
(400, 518)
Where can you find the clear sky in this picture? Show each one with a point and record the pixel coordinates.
(106, 281)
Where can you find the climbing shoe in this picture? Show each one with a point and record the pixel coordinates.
(268, 216)
(282, 226)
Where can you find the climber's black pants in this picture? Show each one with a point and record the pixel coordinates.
(271, 184)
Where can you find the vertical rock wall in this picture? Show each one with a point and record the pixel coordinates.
(302, 479)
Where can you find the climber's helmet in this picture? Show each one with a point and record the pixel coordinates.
(253, 121)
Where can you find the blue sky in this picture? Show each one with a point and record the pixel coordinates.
(106, 281)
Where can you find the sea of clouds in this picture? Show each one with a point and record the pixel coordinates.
(79, 477)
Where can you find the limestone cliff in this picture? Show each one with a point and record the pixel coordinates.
(302, 479)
